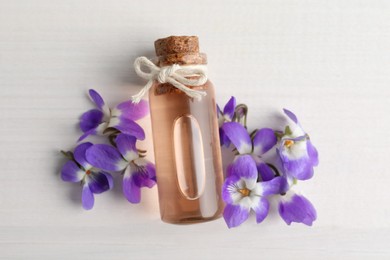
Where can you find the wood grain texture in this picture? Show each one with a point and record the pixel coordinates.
(329, 61)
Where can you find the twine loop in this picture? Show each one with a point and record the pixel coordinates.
(175, 74)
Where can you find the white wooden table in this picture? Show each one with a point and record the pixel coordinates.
(329, 61)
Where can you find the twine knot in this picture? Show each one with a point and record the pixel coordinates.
(167, 71)
(175, 74)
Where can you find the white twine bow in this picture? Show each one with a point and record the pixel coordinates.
(175, 75)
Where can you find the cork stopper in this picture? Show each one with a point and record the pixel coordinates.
(182, 50)
(176, 44)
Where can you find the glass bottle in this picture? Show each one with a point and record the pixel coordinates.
(186, 140)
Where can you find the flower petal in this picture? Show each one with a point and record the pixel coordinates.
(126, 146)
(229, 171)
(99, 182)
(128, 127)
(297, 209)
(95, 131)
(219, 112)
(265, 171)
(130, 110)
(109, 179)
(86, 134)
(291, 115)
(271, 187)
(131, 190)
(261, 208)
(224, 140)
(79, 155)
(98, 100)
(235, 215)
(230, 193)
(296, 161)
(296, 129)
(300, 169)
(105, 157)
(312, 152)
(296, 150)
(71, 172)
(245, 167)
(145, 173)
(263, 141)
(228, 110)
(87, 198)
(238, 136)
(297, 132)
(90, 119)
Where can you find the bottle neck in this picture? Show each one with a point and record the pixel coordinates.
(182, 59)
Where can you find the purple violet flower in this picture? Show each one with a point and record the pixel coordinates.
(97, 121)
(296, 208)
(138, 172)
(93, 180)
(225, 116)
(242, 192)
(297, 153)
(262, 141)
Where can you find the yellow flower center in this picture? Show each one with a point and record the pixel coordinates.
(245, 192)
(288, 143)
(88, 172)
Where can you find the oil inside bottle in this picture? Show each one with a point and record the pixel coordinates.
(188, 159)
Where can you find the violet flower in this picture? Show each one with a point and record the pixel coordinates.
(241, 192)
(138, 172)
(225, 116)
(262, 141)
(93, 180)
(297, 153)
(231, 113)
(296, 208)
(97, 121)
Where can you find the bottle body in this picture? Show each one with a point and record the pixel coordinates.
(187, 154)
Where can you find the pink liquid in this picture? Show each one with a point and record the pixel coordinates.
(187, 154)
